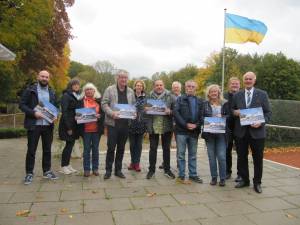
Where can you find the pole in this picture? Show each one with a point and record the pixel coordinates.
(223, 51)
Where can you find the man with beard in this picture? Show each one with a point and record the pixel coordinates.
(37, 126)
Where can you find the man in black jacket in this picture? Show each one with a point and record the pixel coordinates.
(252, 135)
(188, 118)
(233, 87)
(37, 126)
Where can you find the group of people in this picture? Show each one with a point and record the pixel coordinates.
(183, 118)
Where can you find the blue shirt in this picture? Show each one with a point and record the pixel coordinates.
(193, 101)
(43, 95)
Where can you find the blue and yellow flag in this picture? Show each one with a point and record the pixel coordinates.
(239, 29)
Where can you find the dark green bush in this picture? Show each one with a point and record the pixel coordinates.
(285, 112)
(12, 132)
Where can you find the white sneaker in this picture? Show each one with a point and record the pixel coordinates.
(65, 170)
(71, 169)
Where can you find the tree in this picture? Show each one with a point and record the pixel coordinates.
(104, 67)
(279, 76)
(201, 78)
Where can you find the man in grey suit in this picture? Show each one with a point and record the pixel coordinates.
(252, 135)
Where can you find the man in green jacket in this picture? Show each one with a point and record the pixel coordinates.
(160, 125)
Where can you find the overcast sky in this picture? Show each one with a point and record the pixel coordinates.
(148, 36)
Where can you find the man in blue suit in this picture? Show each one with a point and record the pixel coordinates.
(252, 135)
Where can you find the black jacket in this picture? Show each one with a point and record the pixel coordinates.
(139, 126)
(260, 99)
(67, 120)
(29, 101)
(100, 120)
(207, 112)
(230, 120)
(182, 115)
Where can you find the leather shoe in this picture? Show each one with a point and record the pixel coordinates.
(238, 179)
(107, 175)
(257, 188)
(242, 184)
(119, 174)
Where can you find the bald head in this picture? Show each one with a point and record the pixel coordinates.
(249, 80)
(43, 78)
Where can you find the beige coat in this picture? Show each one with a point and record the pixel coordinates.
(110, 97)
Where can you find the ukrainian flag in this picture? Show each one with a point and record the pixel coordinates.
(239, 29)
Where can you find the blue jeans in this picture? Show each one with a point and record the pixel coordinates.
(216, 150)
(91, 142)
(183, 141)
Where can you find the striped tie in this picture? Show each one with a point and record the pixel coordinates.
(248, 98)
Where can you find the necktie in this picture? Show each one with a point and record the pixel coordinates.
(248, 98)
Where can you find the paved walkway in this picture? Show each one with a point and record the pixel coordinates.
(76, 200)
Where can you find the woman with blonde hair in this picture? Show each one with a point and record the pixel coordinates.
(215, 106)
(91, 132)
(137, 127)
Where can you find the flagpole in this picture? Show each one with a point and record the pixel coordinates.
(223, 51)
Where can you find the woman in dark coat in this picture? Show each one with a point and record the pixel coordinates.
(68, 131)
(137, 127)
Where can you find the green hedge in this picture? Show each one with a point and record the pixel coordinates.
(285, 112)
(12, 132)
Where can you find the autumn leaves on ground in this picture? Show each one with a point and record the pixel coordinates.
(286, 155)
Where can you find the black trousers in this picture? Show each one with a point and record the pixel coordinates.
(166, 144)
(66, 154)
(115, 138)
(231, 140)
(33, 136)
(257, 148)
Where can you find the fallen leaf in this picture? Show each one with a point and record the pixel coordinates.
(290, 216)
(187, 182)
(63, 210)
(183, 202)
(23, 213)
(94, 192)
(31, 218)
(70, 216)
(151, 194)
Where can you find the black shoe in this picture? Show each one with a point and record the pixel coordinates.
(107, 175)
(213, 181)
(257, 188)
(196, 179)
(119, 174)
(242, 184)
(222, 183)
(169, 174)
(161, 166)
(228, 176)
(28, 178)
(150, 175)
(238, 179)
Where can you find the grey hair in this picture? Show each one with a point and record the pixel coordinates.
(90, 86)
(176, 83)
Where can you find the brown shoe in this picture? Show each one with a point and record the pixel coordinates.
(131, 166)
(96, 173)
(86, 173)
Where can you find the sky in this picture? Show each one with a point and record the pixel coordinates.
(149, 36)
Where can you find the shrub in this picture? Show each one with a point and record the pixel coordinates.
(12, 132)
